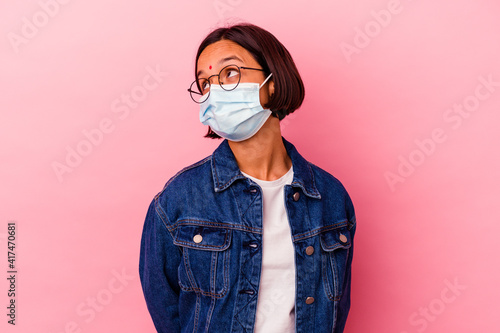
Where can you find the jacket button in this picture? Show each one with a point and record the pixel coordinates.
(253, 245)
(343, 239)
(296, 196)
(247, 291)
(197, 238)
(309, 250)
(310, 300)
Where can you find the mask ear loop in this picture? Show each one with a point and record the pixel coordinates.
(263, 83)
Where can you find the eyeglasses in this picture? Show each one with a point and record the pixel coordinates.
(229, 77)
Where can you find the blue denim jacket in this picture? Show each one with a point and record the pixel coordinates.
(201, 254)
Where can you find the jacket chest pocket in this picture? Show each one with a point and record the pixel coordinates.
(335, 245)
(205, 265)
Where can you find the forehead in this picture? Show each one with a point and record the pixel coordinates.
(215, 54)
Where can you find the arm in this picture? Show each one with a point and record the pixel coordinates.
(345, 301)
(158, 264)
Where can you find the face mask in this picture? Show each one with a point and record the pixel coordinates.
(236, 114)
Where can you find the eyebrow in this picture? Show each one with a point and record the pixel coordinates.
(220, 62)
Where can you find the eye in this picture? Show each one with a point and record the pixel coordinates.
(230, 75)
(232, 72)
(204, 85)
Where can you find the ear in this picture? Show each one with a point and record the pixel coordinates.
(270, 87)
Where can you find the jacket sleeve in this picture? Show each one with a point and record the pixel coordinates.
(345, 301)
(158, 264)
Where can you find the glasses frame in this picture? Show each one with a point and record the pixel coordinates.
(195, 82)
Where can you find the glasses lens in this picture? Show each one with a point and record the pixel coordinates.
(199, 90)
(229, 77)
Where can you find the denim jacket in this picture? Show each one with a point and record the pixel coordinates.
(201, 255)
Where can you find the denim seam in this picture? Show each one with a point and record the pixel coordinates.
(243, 275)
(237, 204)
(335, 277)
(209, 314)
(326, 282)
(219, 186)
(225, 272)
(319, 230)
(339, 296)
(251, 206)
(335, 306)
(198, 291)
(194, 287)
(351, 223)
(203, 161)
(189, 272)
(336, 247)
(200, 247)
(197, 314)
(239, 322)
(214, 224)
(163, 217)
(330, 264)
(204, 293)
(214, 172)
(313, 182)
(213, 272)
(230, 181)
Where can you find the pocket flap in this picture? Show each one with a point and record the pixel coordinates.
(203, 238)
(335, 239)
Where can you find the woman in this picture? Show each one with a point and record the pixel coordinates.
(252, 238)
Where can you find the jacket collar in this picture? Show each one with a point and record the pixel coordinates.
(225, 169)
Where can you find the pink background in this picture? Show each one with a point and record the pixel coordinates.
(384, 81)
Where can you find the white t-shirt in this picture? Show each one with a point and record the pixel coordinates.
(276, 302)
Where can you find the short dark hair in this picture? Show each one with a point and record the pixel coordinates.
(272, 56)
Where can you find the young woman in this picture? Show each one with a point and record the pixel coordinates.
(252, 238)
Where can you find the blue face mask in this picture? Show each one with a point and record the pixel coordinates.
(236, 114)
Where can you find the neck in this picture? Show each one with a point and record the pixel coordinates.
(264, 155)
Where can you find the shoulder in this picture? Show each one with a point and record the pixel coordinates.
(325, 180)
(190, 172)
(333, 192)
(190, 176)
(182, 190)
